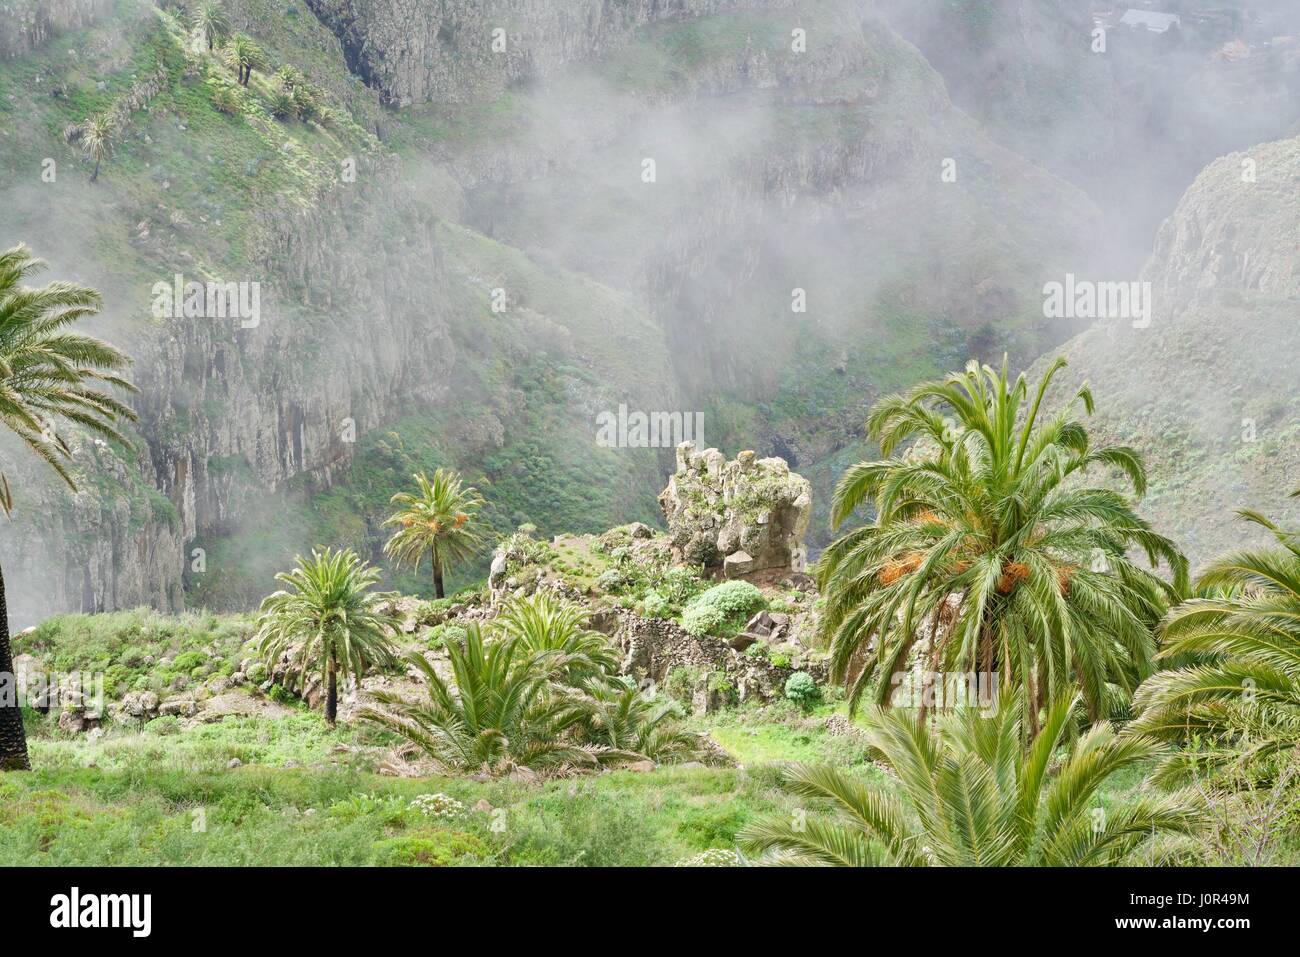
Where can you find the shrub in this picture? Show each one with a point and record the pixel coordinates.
(440, 635)
(732, 599)
(257, 672)
(186, 662)
(700, 620)
(713, 857)
(802, 690)
(779, 659)
(757, 650)
(165, 725)
(441, 806)
(431, 848)
(720, 684)
(679, 684)
(655, 605)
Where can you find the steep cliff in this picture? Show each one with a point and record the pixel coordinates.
(472, 280)
(1207, 392)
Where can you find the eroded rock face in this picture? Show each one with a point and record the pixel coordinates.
(745, 518)
(457, 50)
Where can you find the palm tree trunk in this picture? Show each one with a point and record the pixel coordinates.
(95, 175)
(437, 575)
(13, 741)
(331, 692)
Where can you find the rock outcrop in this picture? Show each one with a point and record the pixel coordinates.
(742, 519)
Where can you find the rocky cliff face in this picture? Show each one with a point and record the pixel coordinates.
(1207, 392)
(27, 24)
(463, 50)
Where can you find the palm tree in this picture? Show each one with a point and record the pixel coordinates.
(331, 622)
(1236, 648)
(244, 56)
(546, 623)
(985, 541)
(97, 141)
(972, 796)
(619, 717)
(211, 23)
(48, 373)
(440, 519)
(501, 712)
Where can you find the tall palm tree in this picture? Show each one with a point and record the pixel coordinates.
(244, 56)
(48, 374)
(330, 621)
(1235, 683)
(499, 713)
(543, 622)
(441, 519)
(97, 141)
(972, 796)
(211, 23)
(986, 539)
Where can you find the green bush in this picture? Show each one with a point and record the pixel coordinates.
(732, 599)
(257, 672)
(757, 650)
(439, 635)
(802, 689)
(700, 620)
(431, 848)
(655, 605)
(187, 661)
(165, 725)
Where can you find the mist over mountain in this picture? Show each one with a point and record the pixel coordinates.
(506, 219)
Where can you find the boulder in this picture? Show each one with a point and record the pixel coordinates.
(181, 707)
(746, 518)
(140, 704)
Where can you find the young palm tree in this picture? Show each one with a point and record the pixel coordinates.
(244, 56)
(543, 622)
(48, 373)
(974, 797)
(500, 713)
(619, 717)
(985, 537)
(439, 519)
(1237, 650)
(97, 141)
(331, 622)
(211, 23)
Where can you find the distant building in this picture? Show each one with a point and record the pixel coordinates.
(1150, 20)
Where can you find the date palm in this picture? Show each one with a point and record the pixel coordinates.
(49, 375)
(986, 538)
(620, 717)
(440, 519)
(330, 621)
(973, 797)
(97, 141)
(243, 56)
(211, 23)
(543, 622)
(1235, 651)
(498, 713)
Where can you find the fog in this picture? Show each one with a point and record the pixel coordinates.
(807, 227)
